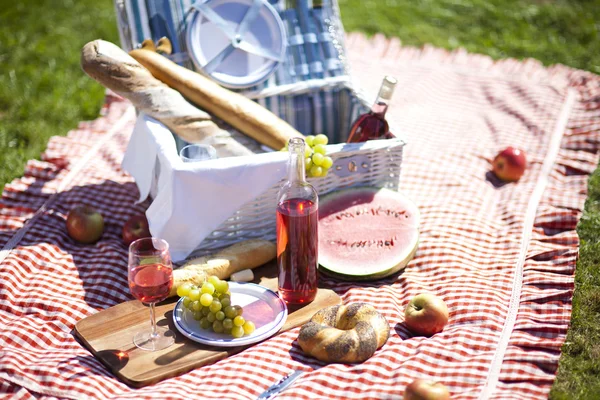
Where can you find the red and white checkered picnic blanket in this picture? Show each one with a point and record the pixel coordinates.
(502, 257)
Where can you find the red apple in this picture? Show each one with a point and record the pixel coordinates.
(85, 224)
(426, 314)
(135, 228)
(510, 164)
(421, 389)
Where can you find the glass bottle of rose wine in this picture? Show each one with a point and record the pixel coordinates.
(297, 231)
(372, 125)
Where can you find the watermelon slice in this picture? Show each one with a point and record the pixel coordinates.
(366, 233)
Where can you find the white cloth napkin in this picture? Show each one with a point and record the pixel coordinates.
(190, 200)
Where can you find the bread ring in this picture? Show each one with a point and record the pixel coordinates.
(344, 334)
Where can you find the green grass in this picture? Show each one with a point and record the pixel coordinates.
(559, 31)
(43, 93)
(579, 370)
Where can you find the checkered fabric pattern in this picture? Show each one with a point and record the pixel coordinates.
(502, 256)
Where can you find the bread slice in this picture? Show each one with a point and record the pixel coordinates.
(243, 255)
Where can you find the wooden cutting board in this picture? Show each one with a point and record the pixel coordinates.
(108, 336)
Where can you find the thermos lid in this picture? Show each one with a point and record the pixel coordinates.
(238, 43)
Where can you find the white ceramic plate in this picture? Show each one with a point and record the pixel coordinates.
(261, 306)
(238, 68)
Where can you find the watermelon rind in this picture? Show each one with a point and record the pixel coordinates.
(334, 266)
(371, 276)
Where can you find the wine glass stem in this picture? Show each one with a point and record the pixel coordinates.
(153, 320)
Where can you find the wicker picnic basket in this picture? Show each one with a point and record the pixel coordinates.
(311, 89)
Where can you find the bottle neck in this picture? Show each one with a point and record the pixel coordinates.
(380, 107)
(296, 161)
(384, 96)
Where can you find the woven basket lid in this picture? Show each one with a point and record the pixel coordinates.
(238, 43)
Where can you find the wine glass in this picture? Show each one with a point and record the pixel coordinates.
(150, 281)
(197, 152)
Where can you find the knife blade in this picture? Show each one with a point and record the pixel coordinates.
(281, 385)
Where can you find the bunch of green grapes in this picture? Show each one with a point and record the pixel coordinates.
(317, 162)
(211, 306)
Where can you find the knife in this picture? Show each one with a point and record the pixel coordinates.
(280, 386)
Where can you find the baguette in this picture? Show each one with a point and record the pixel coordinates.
(248, 254)
(148, 44)
(238, 111)
(115, 69)
(163, 46)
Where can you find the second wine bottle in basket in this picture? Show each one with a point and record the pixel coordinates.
(373, 125)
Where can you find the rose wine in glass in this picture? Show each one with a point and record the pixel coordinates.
(150, 281)
(372, 125)
(297, 231)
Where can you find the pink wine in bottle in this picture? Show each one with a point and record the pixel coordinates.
(297, 231)
(372, 125)
(297, 239)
